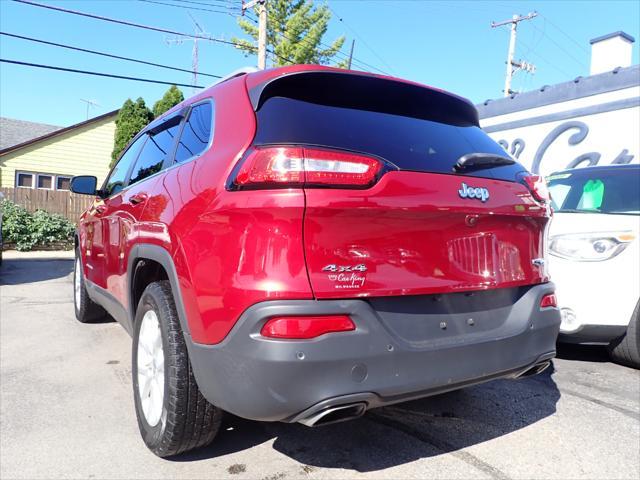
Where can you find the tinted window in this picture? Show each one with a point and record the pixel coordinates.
(118, 175)
(196, 133)
(612, 190)
(409, 143)
(154, 153)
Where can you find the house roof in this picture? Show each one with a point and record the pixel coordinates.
(42, 134)
(14, 132)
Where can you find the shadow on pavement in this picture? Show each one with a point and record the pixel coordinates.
(402, 433)
(583, 353)
(30, 270)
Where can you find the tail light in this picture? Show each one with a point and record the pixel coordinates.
(538, 187)
(549, 300)
(273, 167)
(306, 327)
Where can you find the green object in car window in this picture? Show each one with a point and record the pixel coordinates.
(592, 194)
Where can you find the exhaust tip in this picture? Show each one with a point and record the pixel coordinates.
(536, 369)
(340, 413)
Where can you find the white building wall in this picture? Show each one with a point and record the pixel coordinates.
(579, 129)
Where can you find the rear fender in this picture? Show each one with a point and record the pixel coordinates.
(163, 257)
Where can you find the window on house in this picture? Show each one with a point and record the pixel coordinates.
(45, 181)
(196, 133)
(24, 180)
(62, 182)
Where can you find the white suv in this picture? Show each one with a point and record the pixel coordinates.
(595, 257)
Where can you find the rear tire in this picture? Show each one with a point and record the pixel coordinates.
(86, 309)
(626, 349)
(173, 416)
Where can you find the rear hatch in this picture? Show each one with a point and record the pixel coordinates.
(387, 210)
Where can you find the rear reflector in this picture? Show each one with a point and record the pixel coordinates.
(306, 327)
(549, 300)
(538, 187)
(267, 167)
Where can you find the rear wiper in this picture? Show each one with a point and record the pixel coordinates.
(481, 160)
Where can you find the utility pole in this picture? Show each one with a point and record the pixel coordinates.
(514, 66)
(353, 44)
(262, 29)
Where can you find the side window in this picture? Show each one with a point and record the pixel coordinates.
(153, 154)
(592, 194)
(118, 175)
(196, 133)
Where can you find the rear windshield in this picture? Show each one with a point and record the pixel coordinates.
(411, 127)
(612, 191)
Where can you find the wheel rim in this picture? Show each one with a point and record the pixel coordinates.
(77, 283)
(150, 363)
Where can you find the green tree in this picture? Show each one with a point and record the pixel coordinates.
(132, 118)
(294, 32)
(171, 98)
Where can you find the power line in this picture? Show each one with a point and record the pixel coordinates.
(215, 3)
(188, 8)
(127, 23)
(272, 52)
(361, 64)
(360, 38)
(154, 29)
(582, 47)
(540, 57)
(562, 48)
(145, 27)
(104, 54)
(97, 74)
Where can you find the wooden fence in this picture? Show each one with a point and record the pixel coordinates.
(65, 203)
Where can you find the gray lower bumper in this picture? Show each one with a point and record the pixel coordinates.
(276, 380)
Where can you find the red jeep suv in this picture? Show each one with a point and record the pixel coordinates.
(305, 243)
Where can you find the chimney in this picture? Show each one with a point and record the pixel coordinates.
(610, 51)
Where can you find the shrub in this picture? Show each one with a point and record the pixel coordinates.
(132, 117)
(28, 230)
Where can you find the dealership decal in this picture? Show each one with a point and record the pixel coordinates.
(346, 276)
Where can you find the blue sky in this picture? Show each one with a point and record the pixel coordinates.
(448, 44)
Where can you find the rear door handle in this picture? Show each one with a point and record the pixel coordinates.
(137, 198)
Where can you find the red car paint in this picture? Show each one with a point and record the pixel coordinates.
(417, 236)
(233, 249)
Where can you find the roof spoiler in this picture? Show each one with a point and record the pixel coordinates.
(337, 88)
(234, 74)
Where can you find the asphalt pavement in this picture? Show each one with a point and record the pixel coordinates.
(66, 411)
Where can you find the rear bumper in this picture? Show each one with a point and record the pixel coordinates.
(284, 380)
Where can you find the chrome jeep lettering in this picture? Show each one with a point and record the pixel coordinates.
(480, 193)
